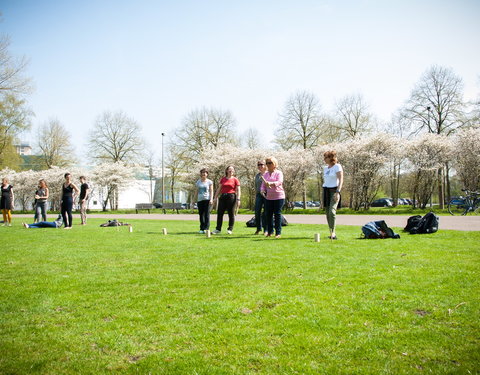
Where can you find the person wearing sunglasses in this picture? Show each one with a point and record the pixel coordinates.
(260, 219)
(272, 188)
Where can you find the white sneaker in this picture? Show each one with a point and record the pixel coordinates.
(229, 231)
(216, 232)
(201, 232)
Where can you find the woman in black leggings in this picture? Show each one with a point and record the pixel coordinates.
(68, 189)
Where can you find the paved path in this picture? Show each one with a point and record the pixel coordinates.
(465, 223)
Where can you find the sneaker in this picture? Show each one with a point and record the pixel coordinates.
(257, 232)
(216, 232)
(229, 231)
(201, 232)
(278, 236)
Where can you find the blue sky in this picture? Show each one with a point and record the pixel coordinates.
(158, 60)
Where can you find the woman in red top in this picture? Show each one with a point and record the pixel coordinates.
(228, 194)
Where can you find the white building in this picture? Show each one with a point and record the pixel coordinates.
(23, 149)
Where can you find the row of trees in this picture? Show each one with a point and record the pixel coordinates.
(435, 106)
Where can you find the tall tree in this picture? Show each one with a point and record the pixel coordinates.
(436, 105)
(115, 137)
(14, 114)
(53, 140)
(300, 122)
(14, 118)
(353, 116)
(300, 125)
(203, 129)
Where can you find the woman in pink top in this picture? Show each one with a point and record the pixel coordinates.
(272, 187)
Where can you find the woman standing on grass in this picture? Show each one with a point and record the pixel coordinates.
(228, 194)
(68, 189)
(205, 199)
(41, 196)
(332, 186)
(272, 187)
(6, 202)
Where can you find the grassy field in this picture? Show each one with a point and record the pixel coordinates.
(102, 300)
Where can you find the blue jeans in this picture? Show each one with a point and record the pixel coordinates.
(273, 208)
(41, 210)
(43, 224)
(260, 218)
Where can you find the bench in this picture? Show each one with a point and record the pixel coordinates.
(143, 206)
(172, 206)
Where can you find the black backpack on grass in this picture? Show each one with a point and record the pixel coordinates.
(427, 224)
(412, 222)
(252, 223)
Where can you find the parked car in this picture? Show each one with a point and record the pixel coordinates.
(298, 204)
(382, 202)
(408, 201)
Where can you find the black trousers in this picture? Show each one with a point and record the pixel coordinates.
(226, 202)
(204, 213)
(66, 210)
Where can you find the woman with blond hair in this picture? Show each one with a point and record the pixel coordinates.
(272, 188)
(332, 186)
(6, 202)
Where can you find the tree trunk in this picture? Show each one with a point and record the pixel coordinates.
(441, 195)
(447, 182)
(304, 195)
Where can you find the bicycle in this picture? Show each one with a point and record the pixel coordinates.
(462, 206)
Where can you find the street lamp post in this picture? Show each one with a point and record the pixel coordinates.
(163, 175)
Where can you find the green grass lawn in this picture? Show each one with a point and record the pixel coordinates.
(102, 300)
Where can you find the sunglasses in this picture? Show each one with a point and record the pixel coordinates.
(260, 165)
(269, 162)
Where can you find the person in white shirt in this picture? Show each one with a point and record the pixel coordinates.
(332, 186)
